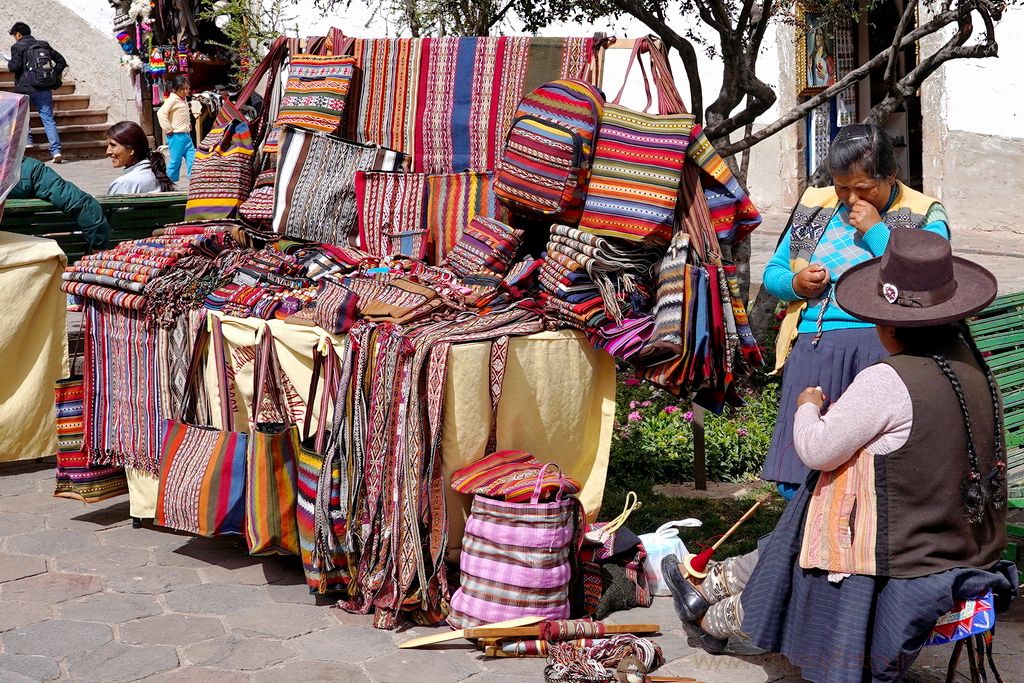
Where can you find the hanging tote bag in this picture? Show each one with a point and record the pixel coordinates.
(77, 479)
(202, 469)
(638, 161)
(270, 480)
(516, 559)
(224, 167)
(393, 214)
(315, 197)
(331, 576)
(315, 95)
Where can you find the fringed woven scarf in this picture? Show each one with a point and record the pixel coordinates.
(124, 415)
(387, 436)
(449, 101)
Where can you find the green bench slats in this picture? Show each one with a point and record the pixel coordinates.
(131, 217)
(999, 332)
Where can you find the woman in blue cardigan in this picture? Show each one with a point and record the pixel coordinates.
(831, 230)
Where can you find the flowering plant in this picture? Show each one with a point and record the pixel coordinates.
(653, 437)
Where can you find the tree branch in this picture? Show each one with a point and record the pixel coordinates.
(801, 110)
(501, 14)
(890, 68)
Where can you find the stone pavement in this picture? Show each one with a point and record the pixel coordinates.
(85, 597)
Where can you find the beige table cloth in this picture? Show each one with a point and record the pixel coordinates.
(558, 402)
(33, 344)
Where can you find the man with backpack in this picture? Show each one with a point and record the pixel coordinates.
(37, 71)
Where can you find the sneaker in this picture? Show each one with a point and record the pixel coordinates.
(58, 159)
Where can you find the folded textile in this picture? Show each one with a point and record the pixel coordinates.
(107, 295)
(511, 476)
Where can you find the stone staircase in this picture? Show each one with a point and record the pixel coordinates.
(81, 127)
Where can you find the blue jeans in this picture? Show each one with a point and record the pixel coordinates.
(43, 102)
(179, 145)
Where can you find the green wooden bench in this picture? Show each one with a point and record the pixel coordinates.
(999, 332)
(130, 217)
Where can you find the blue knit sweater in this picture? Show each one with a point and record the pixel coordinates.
(841, 247)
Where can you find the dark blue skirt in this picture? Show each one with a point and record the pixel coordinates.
(862, 628)
(832, 365)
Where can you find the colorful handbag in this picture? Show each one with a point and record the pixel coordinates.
(511, 476)
(485, 245)
(202, 469)
(545, 163)
(223, 171)
(77, 479)
(392, 214)
(453, 200)
(733, 215)
(314, 95)
(638, 161)
(314, 197)
(330, 576)
(258, 209)
(516, 559)
(270, 527)
(335, 309)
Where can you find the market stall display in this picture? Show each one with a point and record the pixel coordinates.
(391, 308)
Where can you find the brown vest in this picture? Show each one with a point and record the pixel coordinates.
(901, 514)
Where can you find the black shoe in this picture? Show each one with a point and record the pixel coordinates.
(690, 606)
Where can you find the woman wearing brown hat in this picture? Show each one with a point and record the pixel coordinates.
(904, 513)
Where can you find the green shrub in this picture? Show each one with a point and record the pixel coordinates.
(653, 440)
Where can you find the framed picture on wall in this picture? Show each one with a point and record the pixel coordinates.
(815, 53)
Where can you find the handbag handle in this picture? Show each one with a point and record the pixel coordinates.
(270, 64)
(213, 333)
(669, 99)
(632, 504)
(268, 376)
(538, 485)
(696, 217)
(498, 363)
(329, 369)
(670, 530)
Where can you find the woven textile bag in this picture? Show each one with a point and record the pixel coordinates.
(314, 95)
(510, 476)
(733, 214)
(315, 198)
(393, 214)
(270, 480)
(258, 209)
(485, 245)
(453, 200)
(516, 559)
(320, 579)
(545, 162)
(612, 560)
(638, 161)
(336, 307)
(224, 170)
(76, 478)
(202, 469)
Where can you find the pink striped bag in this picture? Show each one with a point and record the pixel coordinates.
(517, 558)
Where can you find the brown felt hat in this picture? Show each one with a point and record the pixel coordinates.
(917, 282)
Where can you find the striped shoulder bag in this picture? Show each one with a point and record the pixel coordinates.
(638, 161)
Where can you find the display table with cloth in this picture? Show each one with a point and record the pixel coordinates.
(557, 401)
(33, 344)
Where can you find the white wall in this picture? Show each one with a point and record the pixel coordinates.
(987, 95)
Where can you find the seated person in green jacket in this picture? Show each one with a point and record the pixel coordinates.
(41, 182)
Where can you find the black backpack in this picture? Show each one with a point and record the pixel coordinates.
(43, 66)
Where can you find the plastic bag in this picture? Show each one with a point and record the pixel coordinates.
(663, 542)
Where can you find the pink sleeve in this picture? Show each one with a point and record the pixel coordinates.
(875, 410)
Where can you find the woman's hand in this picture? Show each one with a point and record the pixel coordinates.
(864, 216)
(812, 281)
(811, 395)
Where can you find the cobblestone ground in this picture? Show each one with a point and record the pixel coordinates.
(85, 597)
